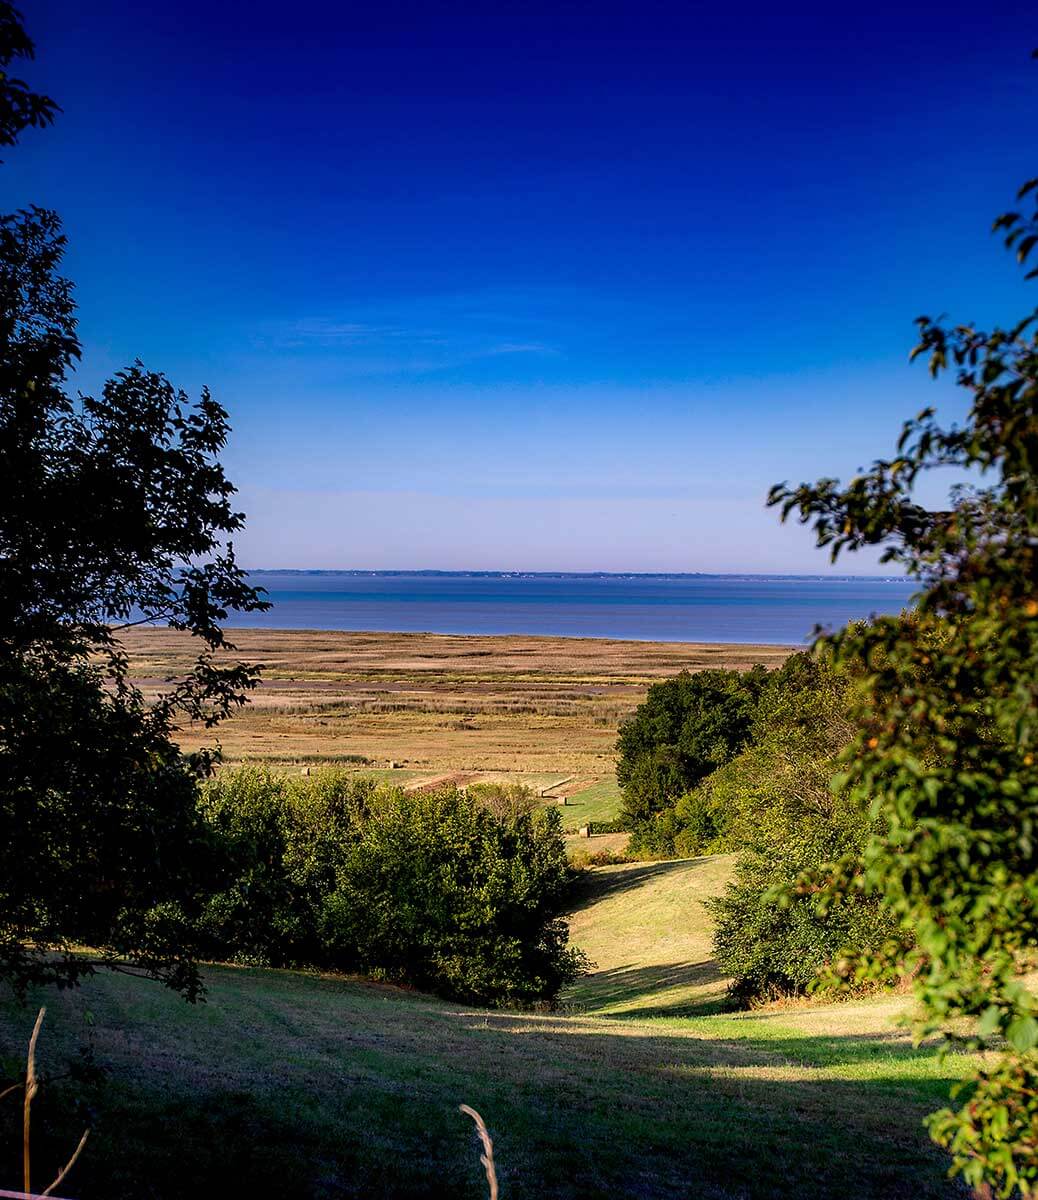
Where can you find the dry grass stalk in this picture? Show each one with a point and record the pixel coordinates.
(31, 1087)
(68, 1166)
(487, 1157)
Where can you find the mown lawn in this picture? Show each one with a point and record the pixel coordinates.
(600, 802)
(646, 930)
(288, 1085)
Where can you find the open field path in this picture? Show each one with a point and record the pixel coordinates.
(644, 927)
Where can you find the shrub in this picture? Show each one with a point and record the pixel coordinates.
(278, 843)
(440, 892)
(783, 748)
(436, 890)
(769, 798)
(504, 800)
(700, 823)
(594, 827)
(775, 804)
(773, 944)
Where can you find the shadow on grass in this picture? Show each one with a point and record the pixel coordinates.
(622, 985)
(290, 1087)
(604, 882)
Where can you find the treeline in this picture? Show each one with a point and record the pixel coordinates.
(718, 761)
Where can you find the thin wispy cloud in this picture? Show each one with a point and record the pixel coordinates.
(522, 348)
(328, 331)
(421, 335)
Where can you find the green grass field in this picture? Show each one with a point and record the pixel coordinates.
(600, 802)
(645, 928)
(290, 1085)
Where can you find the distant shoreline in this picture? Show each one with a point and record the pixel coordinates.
(364, 573)
(780, 610)
(700, 646)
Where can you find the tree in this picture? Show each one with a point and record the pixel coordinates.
(773, 804)
(947, 713)
(114, 511)
(686, 727)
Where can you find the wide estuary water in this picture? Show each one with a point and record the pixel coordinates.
(671, 608)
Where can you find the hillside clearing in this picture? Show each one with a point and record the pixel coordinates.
(290, 1085)
(645, 928)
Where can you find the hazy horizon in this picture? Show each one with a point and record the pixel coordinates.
(701, 607)
(834, 576)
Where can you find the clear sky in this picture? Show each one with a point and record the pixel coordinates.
(533, 286)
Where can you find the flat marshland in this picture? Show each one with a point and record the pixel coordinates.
(290, 1085)
(442, 708)
(437, 702)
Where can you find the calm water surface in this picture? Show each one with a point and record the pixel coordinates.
(696, 608)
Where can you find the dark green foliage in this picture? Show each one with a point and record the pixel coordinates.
(101, 832)
(266, 891)
(769, 798)
(948, 719)
(113, 509)
(606, 827)
(770, 947)
(774, 804)
(437, 890)
(505, 800)
(686, 728)
(20, 107)
(787, 727)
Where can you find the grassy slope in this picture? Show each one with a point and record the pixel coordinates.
(288, 1085)
(645, 928)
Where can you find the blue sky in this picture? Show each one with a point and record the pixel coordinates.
(529, 286)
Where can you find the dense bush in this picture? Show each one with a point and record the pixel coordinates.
(277, 843)
(439, 890)
(505, 800)
(788, 726)
(770, 944)
(768, 798)
(776, 806)
(102, 844)
(686, 728)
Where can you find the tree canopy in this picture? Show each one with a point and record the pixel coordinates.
(460, 894)
(685, 728)
(947, 713)
(115, 510)
(20, 107)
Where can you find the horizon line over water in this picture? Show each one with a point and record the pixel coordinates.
(421, 572)
(636, 606)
